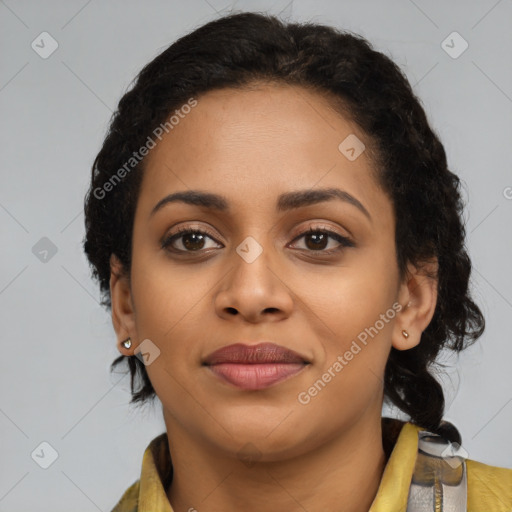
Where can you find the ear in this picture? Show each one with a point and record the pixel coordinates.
(418, 297)
(123, 314)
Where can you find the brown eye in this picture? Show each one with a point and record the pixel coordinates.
(192, 240)
(316, 240)
(195, 240)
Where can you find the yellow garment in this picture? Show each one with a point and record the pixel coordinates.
(489, 487)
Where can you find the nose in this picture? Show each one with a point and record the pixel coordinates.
(254, 288)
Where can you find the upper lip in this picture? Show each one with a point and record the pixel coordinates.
(264, 352)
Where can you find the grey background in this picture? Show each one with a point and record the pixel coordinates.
(58, 343)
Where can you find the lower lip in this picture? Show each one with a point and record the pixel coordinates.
(255, 376)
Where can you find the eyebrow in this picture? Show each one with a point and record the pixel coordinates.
(285, 202)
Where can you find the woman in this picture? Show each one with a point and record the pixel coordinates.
(274, 227)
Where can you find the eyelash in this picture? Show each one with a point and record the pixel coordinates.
(180, 232)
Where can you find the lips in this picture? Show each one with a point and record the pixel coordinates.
(255, 366)
(254, 354)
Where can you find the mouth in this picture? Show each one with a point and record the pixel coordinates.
(253, 367)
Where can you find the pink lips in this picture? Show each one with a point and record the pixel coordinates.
(255, 366)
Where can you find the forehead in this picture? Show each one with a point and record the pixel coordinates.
(252, 145)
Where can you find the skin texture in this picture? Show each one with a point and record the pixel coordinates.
(250, 146)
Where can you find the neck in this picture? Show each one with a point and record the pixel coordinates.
(341, 474)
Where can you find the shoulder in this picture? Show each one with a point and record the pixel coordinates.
(489, 487)
(129, 501)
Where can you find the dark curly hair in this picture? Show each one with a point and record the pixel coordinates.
(243, 49)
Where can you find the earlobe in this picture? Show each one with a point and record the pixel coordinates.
(418, 295)
(123, 317)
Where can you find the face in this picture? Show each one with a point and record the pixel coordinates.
(250, 272)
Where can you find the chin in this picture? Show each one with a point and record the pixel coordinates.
(269, 437)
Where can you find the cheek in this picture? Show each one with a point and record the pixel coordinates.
(355, 320)
(170, 313)
(358, 312)
(356, 349)
(169, 301)
(353, 296)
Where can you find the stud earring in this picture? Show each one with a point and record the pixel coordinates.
(127, 343)
(405, 334)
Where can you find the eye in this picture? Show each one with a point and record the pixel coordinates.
(316, 240)
(192, 240)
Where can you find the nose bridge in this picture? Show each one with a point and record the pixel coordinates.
(254, 231)
(253, 258)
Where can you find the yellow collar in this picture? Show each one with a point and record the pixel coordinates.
(489, 487)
